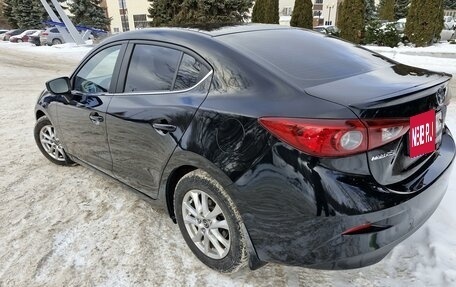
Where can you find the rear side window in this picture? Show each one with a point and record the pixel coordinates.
(54, 30)
(152, 68)
(191, 72)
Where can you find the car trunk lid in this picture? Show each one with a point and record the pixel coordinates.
(396, 92)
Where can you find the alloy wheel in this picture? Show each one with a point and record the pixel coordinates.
(51, 143)
(206, 224)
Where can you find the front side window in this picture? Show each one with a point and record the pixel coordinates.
(152, 69)
(96, 75)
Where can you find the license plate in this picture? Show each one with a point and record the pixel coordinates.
(425, 132)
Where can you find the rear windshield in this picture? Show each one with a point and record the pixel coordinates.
(307, 57)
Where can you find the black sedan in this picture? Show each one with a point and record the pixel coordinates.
(264, 143)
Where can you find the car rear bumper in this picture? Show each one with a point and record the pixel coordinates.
(359, 250)
(298, 222)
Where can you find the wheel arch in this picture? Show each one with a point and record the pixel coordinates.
(171, 183)
(39, 114)
(181, 163)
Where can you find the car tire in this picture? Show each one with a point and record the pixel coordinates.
(210, 222)
(56, 42)
(49, 144)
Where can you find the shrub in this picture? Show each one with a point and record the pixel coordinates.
(382, 35)
(302, 14)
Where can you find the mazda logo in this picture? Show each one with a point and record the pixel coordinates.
(440, 95)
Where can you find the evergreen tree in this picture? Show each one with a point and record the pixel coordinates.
(401, 8)
(370, 13)
(55, 10)
(89, 13)
(351, 22)
(302, 14)
(28, 14)
(197, 12)
(258, 11)
(266, 11)
(162, 12)
(424, 21)
(3, 23)
(272, 12)
(386, 10)
(2, 19)
(449, 4)
(8, 6)
(340, 19)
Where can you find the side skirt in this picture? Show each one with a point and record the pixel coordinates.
(156, 203)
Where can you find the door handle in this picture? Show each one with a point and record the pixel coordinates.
(164, 128)
(96, 118)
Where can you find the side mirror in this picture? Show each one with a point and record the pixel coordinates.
(59, 86)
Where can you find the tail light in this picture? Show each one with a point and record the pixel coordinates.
(44, 34)
(385, 131)
(335, 138)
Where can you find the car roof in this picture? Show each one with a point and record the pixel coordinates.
(14, 30)
(206, 30)
(232, 29)
(190, 36)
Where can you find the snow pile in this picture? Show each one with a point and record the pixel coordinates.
(62, 51)
(439, 50)
(440, 57)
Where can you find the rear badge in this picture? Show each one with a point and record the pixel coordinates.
(383, 155)
(422, 134)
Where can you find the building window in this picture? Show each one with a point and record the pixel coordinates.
(125, 23)
(287, 11)
(122, 4)
(317, 13)
(140, 21)
(318, 1)
(116, 30)
(123, 7)
(328, 23)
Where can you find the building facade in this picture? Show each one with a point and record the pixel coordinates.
(451, 12)
(127, 15)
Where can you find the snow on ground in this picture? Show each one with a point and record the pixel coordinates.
(440, 57)
(439, 49)
(72, 227)
(62, 51)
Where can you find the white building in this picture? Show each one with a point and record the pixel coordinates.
(127, 15)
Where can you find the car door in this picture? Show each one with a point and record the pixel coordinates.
(82, 115)
(159, 90)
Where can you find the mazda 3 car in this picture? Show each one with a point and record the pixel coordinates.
(263, 143)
